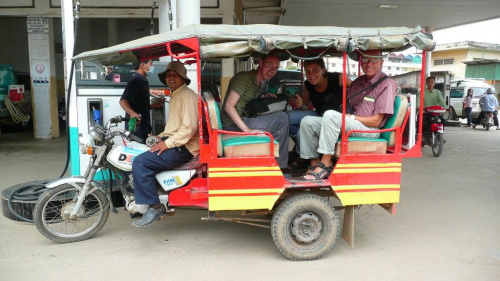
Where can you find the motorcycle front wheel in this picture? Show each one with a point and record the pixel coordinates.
(437, 144)
(53, 209)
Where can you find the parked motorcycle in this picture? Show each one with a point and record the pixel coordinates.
(433, 129)
(76, 208)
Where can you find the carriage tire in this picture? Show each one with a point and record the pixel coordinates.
(305, 227)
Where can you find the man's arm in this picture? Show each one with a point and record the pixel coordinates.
(230, 108)
(126, 106)
(441, 99)
(369, 121)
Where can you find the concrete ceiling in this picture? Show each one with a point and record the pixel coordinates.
(438, 14)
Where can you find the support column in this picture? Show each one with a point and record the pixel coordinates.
(188, 12)
(167, 9)
(43, 77)
(230, 8)
(112, 32)
(428, 58)
(68, 31)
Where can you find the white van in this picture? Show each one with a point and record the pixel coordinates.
(458, 92)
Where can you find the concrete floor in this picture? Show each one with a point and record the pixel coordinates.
(447, 227)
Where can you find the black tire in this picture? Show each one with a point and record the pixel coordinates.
(318, 232)
(22, 198)
(487, 125)
(437, 145)
(52, 206)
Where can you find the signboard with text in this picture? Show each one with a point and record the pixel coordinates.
(38, 25)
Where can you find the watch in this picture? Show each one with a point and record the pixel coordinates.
(353, 117)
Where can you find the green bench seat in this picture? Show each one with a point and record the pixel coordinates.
(360, 145)
(230, 145)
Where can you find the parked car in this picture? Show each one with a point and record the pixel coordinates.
(290, 88)
(274, 83)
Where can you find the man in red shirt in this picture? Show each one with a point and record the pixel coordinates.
(371, 110)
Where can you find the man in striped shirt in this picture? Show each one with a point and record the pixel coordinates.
(246, 86)
(371, 110)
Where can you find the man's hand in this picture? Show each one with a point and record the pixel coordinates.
(298, 101)
(159, 147)
(269, 95)
(136, 115)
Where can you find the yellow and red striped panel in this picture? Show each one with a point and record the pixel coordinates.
(244, 188)
(367, 183)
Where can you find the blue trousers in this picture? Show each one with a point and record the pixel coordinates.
(468, 112)
(148, 164)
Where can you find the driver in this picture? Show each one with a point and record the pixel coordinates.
(432, 97)
(489, 104)
(177, 144)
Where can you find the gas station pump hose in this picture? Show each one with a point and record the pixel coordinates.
(15, 113)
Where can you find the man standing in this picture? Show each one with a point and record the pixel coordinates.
(135, 98)
(371, 110)
(246, 86)
(177, 144)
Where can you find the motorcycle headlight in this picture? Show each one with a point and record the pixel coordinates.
(84, 142)
(96, 131)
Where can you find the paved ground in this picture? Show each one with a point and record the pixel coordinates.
(446, 228)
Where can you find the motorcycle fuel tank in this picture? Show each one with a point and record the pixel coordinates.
(122, 156)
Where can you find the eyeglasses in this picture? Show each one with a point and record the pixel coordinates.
(373, 61)
(176, 76)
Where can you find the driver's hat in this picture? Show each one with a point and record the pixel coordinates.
(178, 67)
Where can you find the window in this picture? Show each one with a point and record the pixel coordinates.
(456, 93)
(438, 62)
(448, 61)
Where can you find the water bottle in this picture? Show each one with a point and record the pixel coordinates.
(131, 124)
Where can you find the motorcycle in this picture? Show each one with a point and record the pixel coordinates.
(433, 129)
(487, 121)
(76, 208)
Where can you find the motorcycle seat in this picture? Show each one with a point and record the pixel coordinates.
(193, 164)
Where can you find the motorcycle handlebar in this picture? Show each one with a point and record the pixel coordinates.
(135, 138)
(118, 119)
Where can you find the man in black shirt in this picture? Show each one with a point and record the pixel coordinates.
(135, 98)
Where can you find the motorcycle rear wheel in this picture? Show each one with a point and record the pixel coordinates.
(52, 210)
(488, 123)
(438, 143)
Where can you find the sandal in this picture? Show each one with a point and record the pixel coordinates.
(323, 174)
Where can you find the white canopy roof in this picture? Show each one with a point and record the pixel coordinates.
(224, 41)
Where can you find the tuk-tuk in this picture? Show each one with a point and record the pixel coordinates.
(304, 223)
